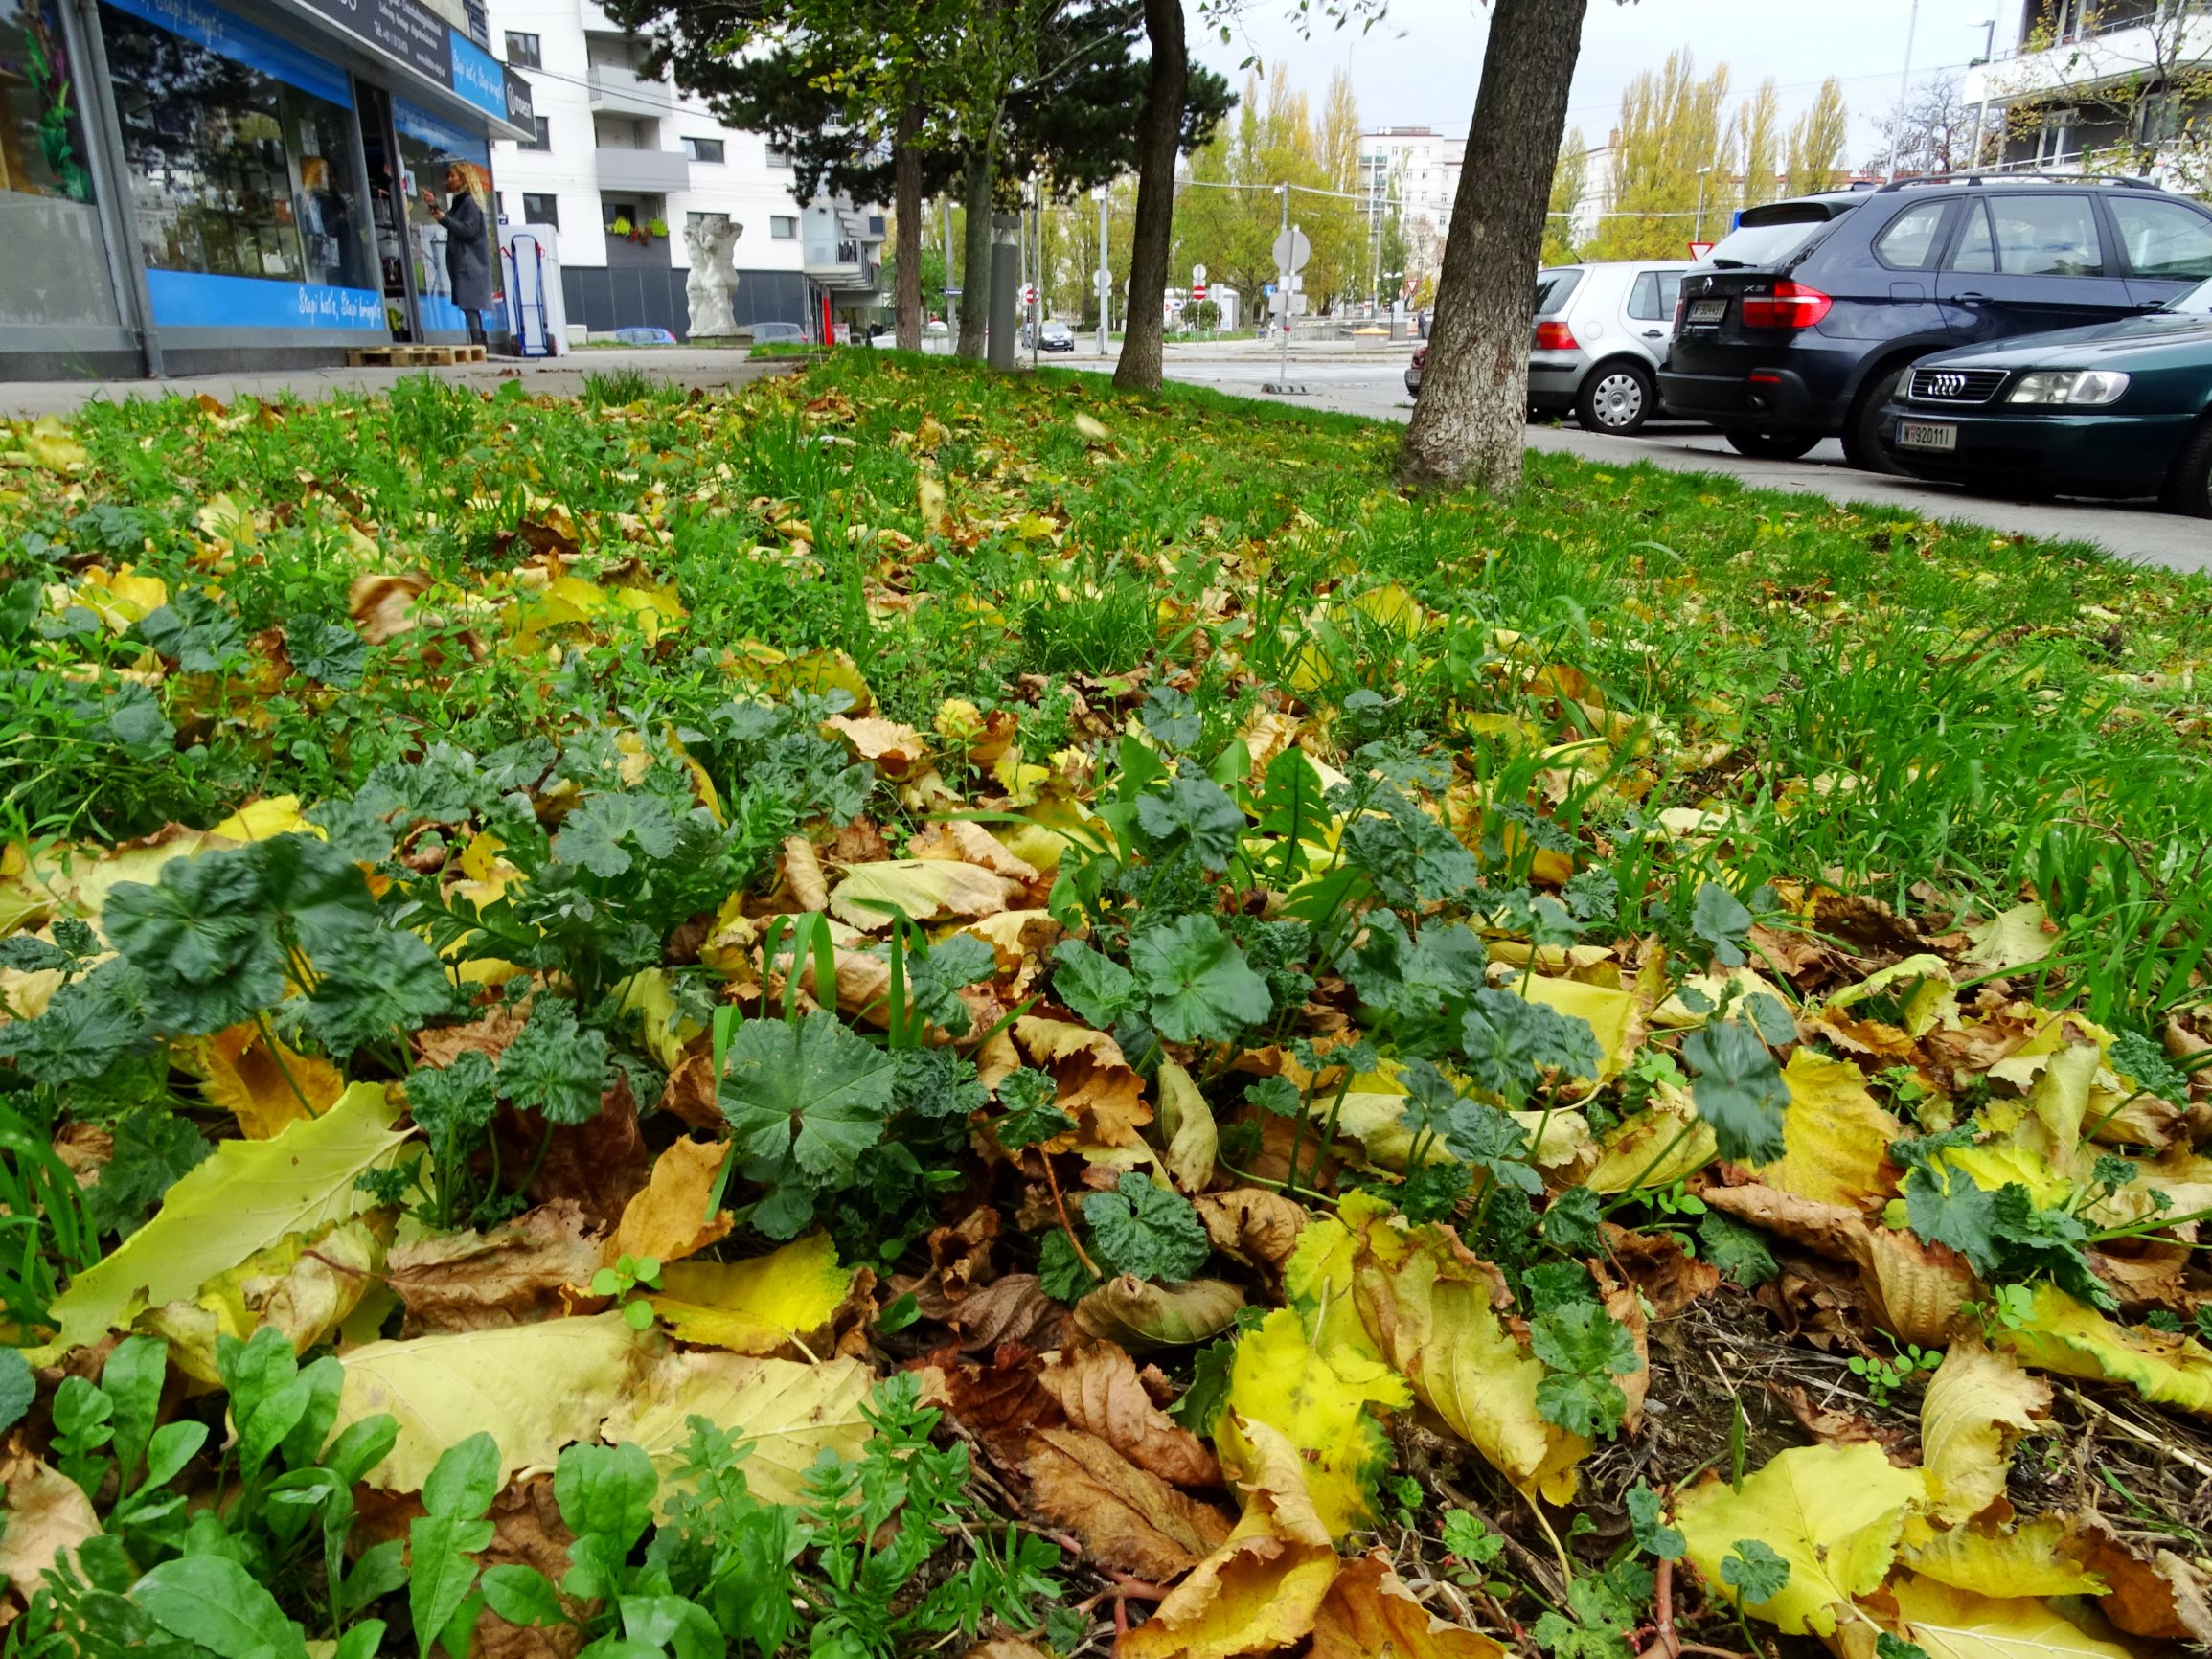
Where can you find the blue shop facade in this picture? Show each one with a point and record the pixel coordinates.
(195, 186)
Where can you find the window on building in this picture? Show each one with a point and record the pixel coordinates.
(784, 227)
(53, 272)
(2164, 239)
(523, 51)
(541, 210)
(238, 170)
(779, 155)
(707, 150)
(540, 135)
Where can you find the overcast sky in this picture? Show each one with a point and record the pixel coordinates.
(1420, 66)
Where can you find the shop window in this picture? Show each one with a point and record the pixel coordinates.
(241, 163)
(523, 51)
(706, 149)
(55, 272)
(783, 227)
(541, 210)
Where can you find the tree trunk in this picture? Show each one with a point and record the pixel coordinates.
(976, 255)
(1466, 423)
(1159, 129)
(906, 171)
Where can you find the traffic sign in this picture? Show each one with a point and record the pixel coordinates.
(1197, 276)
(1198, 291)
(1267, 289)
(1698, 250)
(1028, 294)
(1292, 250)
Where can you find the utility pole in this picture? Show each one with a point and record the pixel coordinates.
(1904, 93)
(1989, 52)
(1703, 174)
(1104, 267)
(1282, 291)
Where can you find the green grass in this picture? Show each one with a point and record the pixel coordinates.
(1880, 702)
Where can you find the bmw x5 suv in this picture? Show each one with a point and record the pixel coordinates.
(1801, 324)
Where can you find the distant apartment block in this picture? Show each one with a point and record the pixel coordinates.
(2106, 86)
(1417, 168)
(621, 160)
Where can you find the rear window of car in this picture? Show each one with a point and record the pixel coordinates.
(1772, 235)
(1553, 290)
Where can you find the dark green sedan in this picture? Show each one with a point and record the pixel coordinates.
(2124, 409)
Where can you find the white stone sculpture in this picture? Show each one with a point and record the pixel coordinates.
(712, 283)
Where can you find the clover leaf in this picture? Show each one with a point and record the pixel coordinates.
(808, 1092)
(1199, 987)
(1146, 1230)
(553, 1067)
(1738, 1090)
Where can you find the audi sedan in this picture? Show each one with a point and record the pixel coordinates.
(2123, 409)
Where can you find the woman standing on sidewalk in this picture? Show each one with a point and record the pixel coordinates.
(467, 250)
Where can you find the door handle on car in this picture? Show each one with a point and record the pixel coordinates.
(1655, 334)
(1971, 299)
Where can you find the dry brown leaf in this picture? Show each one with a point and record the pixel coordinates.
(1126, 1519)
(969, 842)
(527, 1532)
(1976, 1407)
(1833, 1425)
(2166, 1598)
(690, 1094)
(893, 749)
(803, 873)
(1666, 1275)
(669, 1219)
(480, 1281)
(1005, 1648)
(47, 1513)
(1141, 1315)
(1187, 1122)
(1098, 1388)
(1096, 1086)
(999, 1402)
(1012, 1309)
(488, 1036)
(1252, 1225)
(600, 1163)
(382, 603)
(1369, 1612)
(264, 1084)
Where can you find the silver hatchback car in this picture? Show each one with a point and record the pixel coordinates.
(1601, 336)
(1602, 333)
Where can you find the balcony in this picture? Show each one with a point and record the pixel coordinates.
(2105, 47)
(841, 266)
(617, 91)
(647, 172)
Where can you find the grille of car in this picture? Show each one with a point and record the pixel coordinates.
(1955, 385)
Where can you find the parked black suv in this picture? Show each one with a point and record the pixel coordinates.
(1802, 322)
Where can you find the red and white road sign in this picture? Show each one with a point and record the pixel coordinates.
(1698, 250)
(1029, 295)
(1197, 292)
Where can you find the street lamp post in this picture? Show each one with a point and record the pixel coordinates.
(1104, 270)
(1702, 173)
(1904, 95)
(1989, 50)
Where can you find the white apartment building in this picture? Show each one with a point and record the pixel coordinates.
(2105, 86)
(1417, 168)
(622, 161)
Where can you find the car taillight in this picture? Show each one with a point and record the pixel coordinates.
(1791, 305)
(1554, 337)
(1420, 356)
(1680, 306)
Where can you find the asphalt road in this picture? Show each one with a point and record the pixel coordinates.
(2133, 530)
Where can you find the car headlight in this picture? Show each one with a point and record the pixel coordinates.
(2092, 387)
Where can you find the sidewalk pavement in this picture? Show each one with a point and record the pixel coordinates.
(708, 368)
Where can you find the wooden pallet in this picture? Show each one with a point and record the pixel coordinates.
(413, 357)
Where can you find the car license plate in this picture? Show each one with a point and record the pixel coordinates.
(1708, 310)
(1926, 434)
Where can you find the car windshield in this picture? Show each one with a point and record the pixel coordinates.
(1769, 236)
(2197, 301)
(1553, 289)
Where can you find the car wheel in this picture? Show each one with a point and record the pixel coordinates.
(1772, 446)
(1617, 397)
(2189, 486)
(1863, 445)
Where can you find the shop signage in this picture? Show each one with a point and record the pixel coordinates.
(413, 34)
(477, 76)
(199, 300)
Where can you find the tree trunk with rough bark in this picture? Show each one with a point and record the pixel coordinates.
(1468, 422)
(976, 255)
(1158, 132)
(906, 193)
